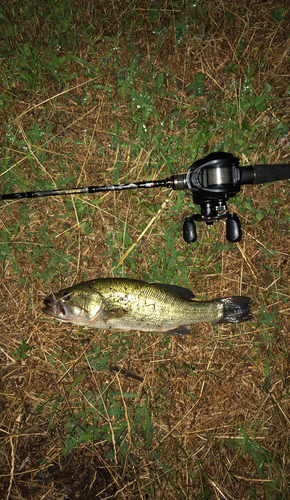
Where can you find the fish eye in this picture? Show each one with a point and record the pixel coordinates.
(66, 297)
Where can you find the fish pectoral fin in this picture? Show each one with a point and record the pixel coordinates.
(179, 330)
(114, 313)
(184, 293)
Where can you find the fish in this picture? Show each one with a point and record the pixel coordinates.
(126, 304)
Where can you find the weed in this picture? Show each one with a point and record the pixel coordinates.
(22, 350)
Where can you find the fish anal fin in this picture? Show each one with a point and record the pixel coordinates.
(179, 330)
(184, 293)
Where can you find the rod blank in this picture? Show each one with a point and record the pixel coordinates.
(86, 190)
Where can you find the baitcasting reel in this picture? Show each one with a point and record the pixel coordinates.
(212, 181)
(218, 177)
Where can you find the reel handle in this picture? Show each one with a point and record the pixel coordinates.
(233, 228)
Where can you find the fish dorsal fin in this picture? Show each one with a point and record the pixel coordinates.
(184, 293)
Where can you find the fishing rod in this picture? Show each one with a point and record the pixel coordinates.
(211, 180)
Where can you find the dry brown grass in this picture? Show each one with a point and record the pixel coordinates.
(202, 391)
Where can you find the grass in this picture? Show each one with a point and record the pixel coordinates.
(134, 91)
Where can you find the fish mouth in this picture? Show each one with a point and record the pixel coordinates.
(55, 308)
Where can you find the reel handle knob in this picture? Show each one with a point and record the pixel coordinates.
(233, 226)
(189, 230)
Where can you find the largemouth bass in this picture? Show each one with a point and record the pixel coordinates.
(127, 304)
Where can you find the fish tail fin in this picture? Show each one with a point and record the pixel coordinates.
(236, 309)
